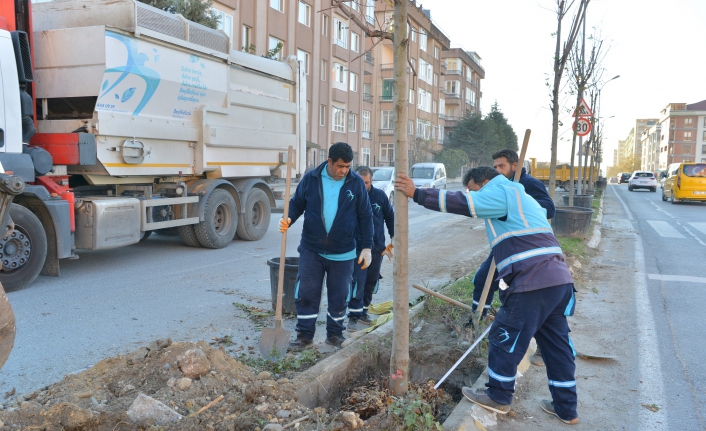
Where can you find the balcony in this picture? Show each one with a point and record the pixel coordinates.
(370, 19)
(386, 98)
(454, 72)
(367, 135)
(390, 66)
(367, 97)
(369, 58)
(386, 132)
(443, 67)
(442, 116)
(453, 98)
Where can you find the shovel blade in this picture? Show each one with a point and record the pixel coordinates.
(584, 355)
(7, 327)
(274, 343)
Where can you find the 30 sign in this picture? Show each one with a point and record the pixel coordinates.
(582, 126)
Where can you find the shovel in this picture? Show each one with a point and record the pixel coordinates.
(274, 342)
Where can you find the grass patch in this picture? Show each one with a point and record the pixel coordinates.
(462, 291)
(573, 247)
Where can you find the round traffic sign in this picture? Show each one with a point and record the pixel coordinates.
(582, 126)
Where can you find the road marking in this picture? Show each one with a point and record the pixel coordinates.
(652, 386)
(664, 229)
(685, 278)
(699, 226)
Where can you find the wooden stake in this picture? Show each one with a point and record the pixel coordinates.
(207, 406)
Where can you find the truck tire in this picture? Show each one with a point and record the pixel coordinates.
(253, 224)
(23, 253)
(188, 235)
(220, 222)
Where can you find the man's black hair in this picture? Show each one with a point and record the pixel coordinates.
(510, 155)
(364, 170)
(342, 151)
(479, 174)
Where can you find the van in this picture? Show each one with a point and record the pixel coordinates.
(428, 175)
(685, 182)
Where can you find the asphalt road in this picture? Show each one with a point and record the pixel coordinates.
(111, 302)
(673, 245)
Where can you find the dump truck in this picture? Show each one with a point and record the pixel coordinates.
(562, 174)
(123, 119)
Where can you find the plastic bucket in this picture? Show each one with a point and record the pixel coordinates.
(583, 201)
(291, 266)
(572, 222)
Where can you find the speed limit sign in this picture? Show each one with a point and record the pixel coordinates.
(582, 126)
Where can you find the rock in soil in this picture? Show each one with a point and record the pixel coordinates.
(194, 363)
(147, 408)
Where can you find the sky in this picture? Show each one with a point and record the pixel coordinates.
(657, 48)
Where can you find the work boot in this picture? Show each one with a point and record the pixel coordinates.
(366, 320)
(481, 398)
(335, 340)
(548, 406)
(300, 343)
(352, 324)
(537, 359)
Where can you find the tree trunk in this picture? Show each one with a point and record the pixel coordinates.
(555, 103)
(399, 360)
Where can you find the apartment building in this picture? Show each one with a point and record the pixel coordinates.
(462, 87)
(650, 148)
(633, 143)
(683, 133)
(425, 127)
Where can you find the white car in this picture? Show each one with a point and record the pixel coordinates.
(642, 180)
(384, 179)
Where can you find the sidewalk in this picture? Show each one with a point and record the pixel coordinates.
(603, 324)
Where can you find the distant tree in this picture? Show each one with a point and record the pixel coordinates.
(421, 150)
(198, 11)
(506, 135)
(453, 159)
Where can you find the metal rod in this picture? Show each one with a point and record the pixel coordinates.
(443, 298)
(478, 340)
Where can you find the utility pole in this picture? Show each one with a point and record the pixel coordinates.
(399, 360)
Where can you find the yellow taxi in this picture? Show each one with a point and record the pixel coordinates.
(685, 182)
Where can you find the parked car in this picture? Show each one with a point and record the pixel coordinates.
(642, 180)
(384, 179)
(431, 175)
(686, 182)
(624, 177)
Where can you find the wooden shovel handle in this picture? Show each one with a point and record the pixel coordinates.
(283, 250)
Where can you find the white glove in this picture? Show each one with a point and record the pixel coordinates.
(366, 257)
(284, 225)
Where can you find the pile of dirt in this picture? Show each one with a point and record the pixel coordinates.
(165, 385)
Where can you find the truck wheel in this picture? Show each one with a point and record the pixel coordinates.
(23, 253)
(253, 224)
(188, 235)
(144, 235)
(221, 220)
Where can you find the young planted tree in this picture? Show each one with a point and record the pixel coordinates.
(198, 11)
(561, 55)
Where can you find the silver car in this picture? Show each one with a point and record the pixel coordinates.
(384, 179)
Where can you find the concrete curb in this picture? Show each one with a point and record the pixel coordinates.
(320, 382)
(467, 416)
(596, 237)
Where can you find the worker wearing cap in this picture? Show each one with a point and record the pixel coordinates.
(335, 205)
(367, 280)
(536, 288)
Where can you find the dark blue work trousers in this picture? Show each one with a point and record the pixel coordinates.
(479, 283)
(365, 285)
(307, 295)
(540, 314)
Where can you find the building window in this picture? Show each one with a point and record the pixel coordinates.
(225, 22)
(424, 100)
(688, 122)
(277, 5)
(366, 121)
(423, 129)
(686, 149)
(355, 42)
(339, 76)
(304, 14)
(453, 87)
(687, 136)
(339, 120)
(324, 24)
(436, 52)
(246, 38)
(410, 127)
(442, 106)
(433, 107)
(387, 152)
(340, 33)
(352, 120)
(322, 115)
(411, 96)
(303, 57)
(387, 120)
(353, 82)
(414, 64)
(366, 156)
(468, 95)
(324, 69)
(274, 42)
(422, 39)
(436, 79)
(704, 138)
(413, 32)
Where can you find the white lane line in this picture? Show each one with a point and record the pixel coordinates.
(652, 386)
(699, 226)
(686, 229)
(685, 278)
(664, 229)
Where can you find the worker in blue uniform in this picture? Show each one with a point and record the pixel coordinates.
(366, 281)
(536, 288)
(335, 205)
